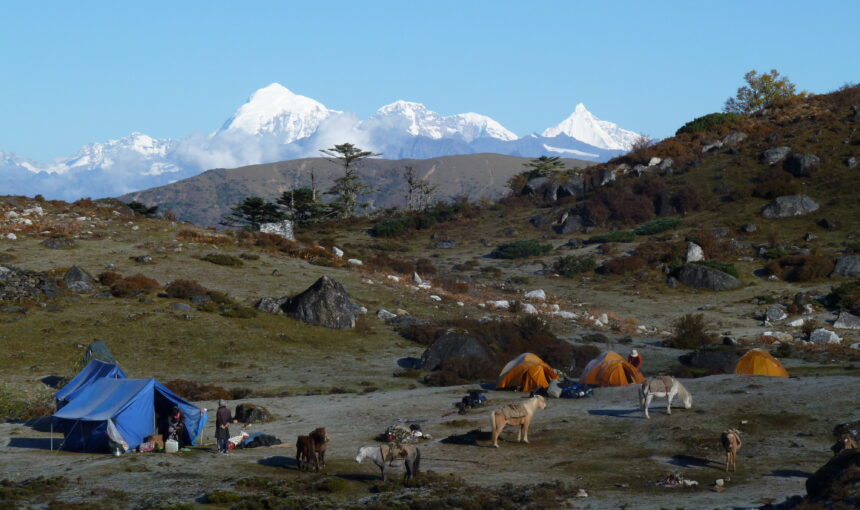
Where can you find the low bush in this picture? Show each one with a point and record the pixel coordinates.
(133, 286)
(726, 267)
(192, 236)
(572, 265)
(616, 236)
(687, 199)
(708, 122)
(241, 312)
(845, 296)
(185, 289)
(384, 262)
(801, 268)
(656, 226)
(626, 264)
(222, 259)
(521, 249)
(421, 220)
(853, 247)
(249, 256)
(191, 390)
(673, 253)
(109, 278)
(691, 332)
(774, 183)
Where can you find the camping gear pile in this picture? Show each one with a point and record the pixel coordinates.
(473, 399)
(400, 433)
(569, 389)
(672, 480)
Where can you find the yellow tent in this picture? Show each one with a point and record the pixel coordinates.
(760, 362)
(610, 369)
(526, 371)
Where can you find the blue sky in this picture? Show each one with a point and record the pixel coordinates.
(78, 72)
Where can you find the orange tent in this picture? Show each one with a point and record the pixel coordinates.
(610, 369)
(526, 371)
(760, 362)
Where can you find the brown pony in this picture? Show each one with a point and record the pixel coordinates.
(306, 456)
(321, 440)
(731, 441)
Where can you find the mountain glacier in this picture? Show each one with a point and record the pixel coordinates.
(277, 124)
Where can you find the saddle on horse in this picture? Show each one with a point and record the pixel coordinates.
(660, 384)
(391, 452)
(514, 411)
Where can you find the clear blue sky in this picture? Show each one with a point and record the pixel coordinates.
(79, 72)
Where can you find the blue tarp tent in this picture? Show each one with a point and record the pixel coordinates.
(135, 406)
(94, 371)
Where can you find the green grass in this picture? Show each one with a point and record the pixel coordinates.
(521, 249)
(726, 267)
(223, 259)
(657, 226)
(616, 236)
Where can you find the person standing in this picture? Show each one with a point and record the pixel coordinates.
(175, 426)
(635, 359)
(222, 424)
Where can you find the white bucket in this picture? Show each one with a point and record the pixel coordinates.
(171, 446)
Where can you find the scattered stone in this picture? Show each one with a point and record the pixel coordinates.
(337, 251)
(181, 307)
(847, 266)
(574, 244)
(446, 244)
(847, 321)
(796, 323)
(250, 413)
(78, 280)
(416, 278)
(325, 303)
(110, 267)
(571, 224)
(607, 176)
(143, 259)
(529, 309)
(734, 138)
(851, 162)
(103, 295)
(581, 493)
(501, 304)
(393, 278)
(694, 252)
(654, 161)
(671, 282)
(10, 236)
(802, 165)
(384, 314)
(775, 313)
(824, 336)
(434, 297)
(59, 243)
(775, 155)
(282, 228)
(708, 147)
(704, 277)
(537, 295)
(749, 228)
(355, 262)
(790, 205)
(810, 237)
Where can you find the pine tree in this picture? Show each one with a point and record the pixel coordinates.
(543, 166)
(348, 188)
(251, 212)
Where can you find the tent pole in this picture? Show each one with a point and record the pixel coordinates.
(52, 435)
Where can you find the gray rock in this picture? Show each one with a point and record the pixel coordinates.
(694, 252)
(851, 162)
(201, 300)
(272, 305)
(59, 243)
(452, 344)
(14, 309)
(666, 164)
(282, 228)
(607, 176)
(78, 280)
(847, 266)
(143, 259)
(704, 277)
(734, 138)
(181, 307)
(103, 295)
(775, 313)
(671, 282)
(640, 170)
(447, 244)
(790, 205)
(572, 224)
(325, 303)
(720, 232)
(847, 321)
(531, 188)
(749, 228)
(385, 315)
(802, 165)
(574, 244)
(824, 336)
(708, 147)
(250, 413)
(775, 155)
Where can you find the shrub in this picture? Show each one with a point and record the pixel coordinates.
(775, 253)
(673, 253)
(241, 312)
(853, 247)
(192, 236)
(691, 332)
(572, 265)
(656, 226)
(521, 249)
(332, 484)
(133, 286)
(616, 236)
(627, 264)
(383, 262)
(774, 183)
(390, 227)
(249, 256)
(109, 278)
(726, 267)
(222, 259)
(687, 199)
(708, 122)
(801, 268)
(185, 289)
(845, 296)
(191, 390)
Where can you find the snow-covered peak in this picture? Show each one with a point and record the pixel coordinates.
(585, 127)
(418, 120)
(277, 110)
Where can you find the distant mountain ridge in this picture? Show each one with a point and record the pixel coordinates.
(277, 124)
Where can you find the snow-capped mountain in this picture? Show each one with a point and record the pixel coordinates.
(277, 124)
(278, 111)
(584, 126)
(415, 119)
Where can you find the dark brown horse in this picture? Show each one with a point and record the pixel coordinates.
(310, 450)
(321, 440)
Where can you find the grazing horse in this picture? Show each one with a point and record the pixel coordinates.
(321, 440)
(306, 455)
(663, 386)
(516, 414)
(731, 441)
(384, 455)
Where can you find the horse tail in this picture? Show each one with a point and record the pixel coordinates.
(417, 463)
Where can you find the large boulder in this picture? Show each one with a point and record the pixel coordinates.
(715, 359)
(824, 336)
(705, 277)
(847, 266)
(325, 303)
(802, 165)
(734, 138)
(694, 252)
(452, 344)
(838, 481)
(789, 205)
(271, 305)
(282, 228)
(775, 155)
(78, 280)
(571, 224)
(250, 413)
(847, 321)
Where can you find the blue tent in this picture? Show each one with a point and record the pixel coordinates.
(136, 408)
(94, 371)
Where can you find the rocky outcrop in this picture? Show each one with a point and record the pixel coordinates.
(847, 266)
(78, 280)
(250, 413)
(790, 205)
(21, 285)
(775, 155)
(282, 228)
(704, 277)
(452, 344)
(847, 321)
(325, 303)
(59, 243)
(802, 165)
(837, 483)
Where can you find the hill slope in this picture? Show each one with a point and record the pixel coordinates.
(204, 199)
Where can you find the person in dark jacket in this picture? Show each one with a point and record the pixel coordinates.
(175, 425)
(222, 424)
(635, 359)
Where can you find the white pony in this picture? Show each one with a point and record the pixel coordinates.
(663, 386)
(385, 455)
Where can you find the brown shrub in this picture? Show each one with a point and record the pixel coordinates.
(455, 286)
(687, 199)
(384, 262)
(650, 185)
(185, 289)
(624, 265)
(774, 183)
(425, 267)
(801, 268)
(133, 286)
(594, 212)
(193, 236)
(109, 278)
(691, 332)
(666, 252)
(191, 390)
